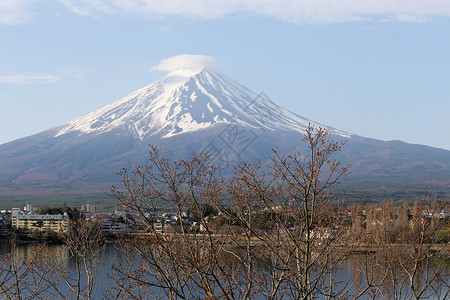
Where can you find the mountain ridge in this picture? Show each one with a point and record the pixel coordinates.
(194, 110)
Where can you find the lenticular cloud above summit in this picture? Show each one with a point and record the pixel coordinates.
(185, 61)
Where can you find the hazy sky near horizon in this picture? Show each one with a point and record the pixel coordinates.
(375, 68)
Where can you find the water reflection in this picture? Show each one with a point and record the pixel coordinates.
(375, 275)
(57, 254)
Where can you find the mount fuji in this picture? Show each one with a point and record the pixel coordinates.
(188, 100)
(197, 110)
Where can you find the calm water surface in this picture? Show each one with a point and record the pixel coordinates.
(352, 272)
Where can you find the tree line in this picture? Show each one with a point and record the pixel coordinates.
(280, 234)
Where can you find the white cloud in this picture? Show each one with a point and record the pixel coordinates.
(166, 28)
(298, 11)
(43, 78)
(92, 7)
(30, 79)
(14, 12)
(185, 61)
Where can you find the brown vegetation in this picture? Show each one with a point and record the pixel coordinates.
(274, 232)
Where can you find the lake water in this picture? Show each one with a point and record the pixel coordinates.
(353, 272)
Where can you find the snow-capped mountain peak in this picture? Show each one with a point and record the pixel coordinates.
(190, 110)
(187, 100)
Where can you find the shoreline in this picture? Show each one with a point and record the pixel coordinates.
(30, 238)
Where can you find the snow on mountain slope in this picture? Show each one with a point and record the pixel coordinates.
(187, 100)
(196, 110)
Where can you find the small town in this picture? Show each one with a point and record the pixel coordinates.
(41, 223)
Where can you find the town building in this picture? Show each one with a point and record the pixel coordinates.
(58, 223)
(114, 228)
(88, 211)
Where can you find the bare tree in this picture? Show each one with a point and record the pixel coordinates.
(184, 264)
(297, 195)
(292, 253)
(31, 274)
(404, 262)
(85, 243)
(419, 260)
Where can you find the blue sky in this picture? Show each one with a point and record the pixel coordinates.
(379, 69)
